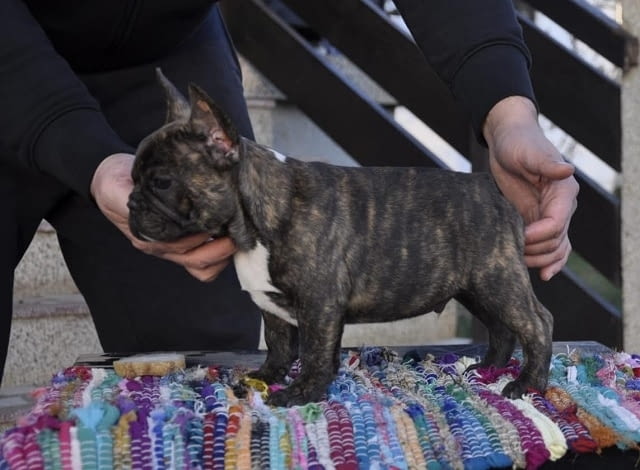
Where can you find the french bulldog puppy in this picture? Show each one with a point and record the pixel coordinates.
(320, 246)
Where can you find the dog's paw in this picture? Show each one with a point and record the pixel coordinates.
(260, 375)
(293, 396)
(478, 365)
(285, 398)
(268, 375)
(472, 367)
(515, 390)
(518, 387)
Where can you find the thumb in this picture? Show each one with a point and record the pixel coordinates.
(555, 170)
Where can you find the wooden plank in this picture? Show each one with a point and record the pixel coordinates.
(370, 40)
(595, 230)
(578, 316)
(575, 96)
(590, 25)
(361, 126)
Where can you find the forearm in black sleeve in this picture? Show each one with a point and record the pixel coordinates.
(476, 47)
(49, 120)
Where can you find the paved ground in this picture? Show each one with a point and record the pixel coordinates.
(14, 402)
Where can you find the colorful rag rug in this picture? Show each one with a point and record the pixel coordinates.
(383, 411)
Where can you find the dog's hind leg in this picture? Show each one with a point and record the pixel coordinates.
(502, 340)
(536, 338)
(282, 349)
(512, 305)
(517, 309)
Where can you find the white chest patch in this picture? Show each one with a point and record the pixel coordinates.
(253, 273)
(278, 155)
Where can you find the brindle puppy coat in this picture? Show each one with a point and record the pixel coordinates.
(320, 245)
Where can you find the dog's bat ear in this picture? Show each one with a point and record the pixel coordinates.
(209, 120)
(177, 105)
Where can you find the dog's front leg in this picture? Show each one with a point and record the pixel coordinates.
(282, 349)
(320, 339)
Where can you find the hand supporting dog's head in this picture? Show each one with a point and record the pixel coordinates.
(183, 171)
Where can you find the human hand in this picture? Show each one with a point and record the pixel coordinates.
(201, 257)
(531, 173)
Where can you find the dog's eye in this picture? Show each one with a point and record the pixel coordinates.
(160, 182)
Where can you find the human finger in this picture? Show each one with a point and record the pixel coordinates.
(557, 206)
(543, 247)
(545, 229)
(550, 263)
(209, 273)
(553, 169)
(177, 247)
(204, 256)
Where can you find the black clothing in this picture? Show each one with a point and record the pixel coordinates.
(476, 47)
(78, 85)
(138, 302)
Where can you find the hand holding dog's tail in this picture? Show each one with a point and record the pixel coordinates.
(532, 174)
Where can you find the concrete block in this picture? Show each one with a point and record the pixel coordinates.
(257, 86)
(42, 270)
(289, 131)
(425, 329)
(630, 210)
(47, 334)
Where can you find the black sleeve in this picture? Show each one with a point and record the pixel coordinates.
(476, 47)
(48, 119)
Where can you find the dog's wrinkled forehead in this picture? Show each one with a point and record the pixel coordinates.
(171, 147)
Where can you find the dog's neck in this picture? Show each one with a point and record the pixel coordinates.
(265, 186)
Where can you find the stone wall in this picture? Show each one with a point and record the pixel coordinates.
(631, 189)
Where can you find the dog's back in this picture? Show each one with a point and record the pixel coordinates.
(398, 242)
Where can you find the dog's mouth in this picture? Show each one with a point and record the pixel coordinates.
(153, 220)
(170, 224)
(169, 213)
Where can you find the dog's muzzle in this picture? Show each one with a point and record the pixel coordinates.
(139, 205)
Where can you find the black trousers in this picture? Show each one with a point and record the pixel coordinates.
(138, 302)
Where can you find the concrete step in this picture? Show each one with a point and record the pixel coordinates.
(51, 323)
(48, 333)
(14, 403)
(42, 270)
